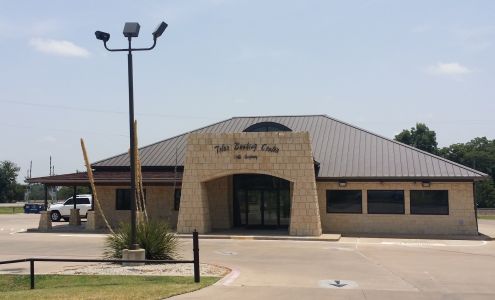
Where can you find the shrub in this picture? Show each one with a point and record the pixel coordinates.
(154, 237)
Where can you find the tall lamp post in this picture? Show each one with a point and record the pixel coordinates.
(131, 29)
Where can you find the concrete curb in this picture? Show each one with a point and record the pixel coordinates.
(322, 238)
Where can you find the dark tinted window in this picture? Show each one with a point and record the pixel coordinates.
(69, 202)
(344, 201)
(123, 199)
(430, 202)
(267, 126)
(177, 199)
(386, 202)
(82, 200)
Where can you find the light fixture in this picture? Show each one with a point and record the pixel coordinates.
(426, 183)
(102, 36)
(159, 30)
(342, 183)
(131, 29)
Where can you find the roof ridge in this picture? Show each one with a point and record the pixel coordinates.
(407, 146)
(280, 116)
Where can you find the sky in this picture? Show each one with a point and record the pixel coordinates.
(380, 65)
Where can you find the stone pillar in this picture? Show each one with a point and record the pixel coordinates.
(45, 221)
(91, 220)
(194, 212)
(305, 212)
(138, 254)
(75, 218)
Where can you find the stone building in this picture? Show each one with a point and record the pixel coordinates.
(307, 174)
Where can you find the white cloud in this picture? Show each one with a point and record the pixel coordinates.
(448, 69)
(58, 47)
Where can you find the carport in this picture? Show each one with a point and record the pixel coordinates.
(101, 178)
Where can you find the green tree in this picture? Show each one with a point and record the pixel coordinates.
(479, 154)
(66, 192)
(37, 192)
(420, 137)
(8, 176)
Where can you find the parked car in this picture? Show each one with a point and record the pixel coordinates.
(33, 208)
(61, 210)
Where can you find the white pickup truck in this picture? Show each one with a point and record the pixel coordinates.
(62, 209)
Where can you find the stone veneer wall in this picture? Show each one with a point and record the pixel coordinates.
(220, 194)
(461, 219)
(159, 205)
(293, 162)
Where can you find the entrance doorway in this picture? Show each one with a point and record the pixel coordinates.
(261, 201)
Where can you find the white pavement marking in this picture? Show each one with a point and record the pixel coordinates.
(339, 248)
(18, 231)
(227, 280)
(419, 244)
(225, 252)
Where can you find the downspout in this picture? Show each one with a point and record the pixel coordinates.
(475, 207)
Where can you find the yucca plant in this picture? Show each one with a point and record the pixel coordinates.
(154, 237)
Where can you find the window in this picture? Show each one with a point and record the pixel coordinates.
(177, 199)
(82, 201)
(123, 200)
(344, 201)
(267, 126)
(386, 202)
(78, 201)
(428, 202)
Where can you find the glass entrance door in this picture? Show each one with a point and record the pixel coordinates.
(270, 208)
(254, 208)
(261, 201)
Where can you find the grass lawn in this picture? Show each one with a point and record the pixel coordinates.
(486, 217)
(98, 286)
(10, 210)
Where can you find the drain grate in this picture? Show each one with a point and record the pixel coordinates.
(337, 284)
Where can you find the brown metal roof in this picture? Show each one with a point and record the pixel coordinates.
(108, 178)
(343, 151)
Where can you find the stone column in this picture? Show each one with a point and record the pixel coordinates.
(194, 212)
(305, 213)
(75, 218)
(45, 223)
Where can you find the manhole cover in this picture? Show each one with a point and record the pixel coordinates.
(225, 252)
(338, 284)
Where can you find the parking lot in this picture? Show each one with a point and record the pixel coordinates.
(353, 268)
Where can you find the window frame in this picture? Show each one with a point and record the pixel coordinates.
(428, 213)
(344, 212)
(381, 212)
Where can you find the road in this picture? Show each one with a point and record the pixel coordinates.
(368, 268)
